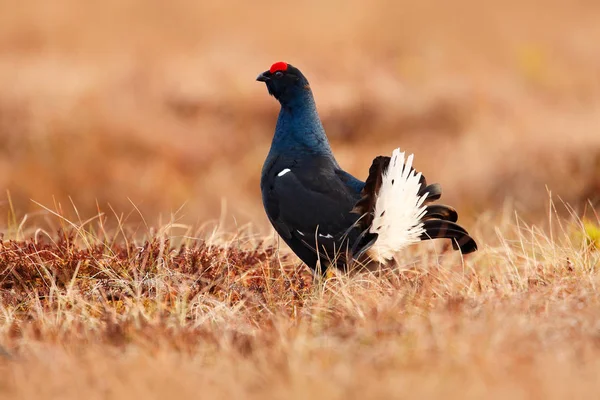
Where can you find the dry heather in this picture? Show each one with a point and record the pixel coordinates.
(91, 313)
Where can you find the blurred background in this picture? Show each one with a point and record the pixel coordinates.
(155, 104)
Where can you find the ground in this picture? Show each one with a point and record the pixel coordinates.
(136, 259)
(90, 313)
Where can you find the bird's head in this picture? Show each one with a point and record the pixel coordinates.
(285, 82)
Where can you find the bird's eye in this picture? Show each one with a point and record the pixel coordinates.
(278, 74)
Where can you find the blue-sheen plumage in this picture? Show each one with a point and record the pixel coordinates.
(310, 206)
(322, 212)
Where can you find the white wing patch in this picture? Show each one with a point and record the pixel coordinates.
(398, 209)
(283, 172)
(328, 236)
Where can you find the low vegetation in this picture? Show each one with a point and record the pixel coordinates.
(91, 312)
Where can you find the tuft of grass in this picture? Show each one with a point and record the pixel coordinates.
(592, 233)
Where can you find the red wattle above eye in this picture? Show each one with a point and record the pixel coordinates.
(278, 66)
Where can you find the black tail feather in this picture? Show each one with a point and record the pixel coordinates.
(439, 220)
(437, 228)
(440, 211)
(434, 192)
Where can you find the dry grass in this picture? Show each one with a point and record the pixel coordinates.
(144, 115)
(98, 314)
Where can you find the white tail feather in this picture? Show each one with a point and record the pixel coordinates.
(398, 209)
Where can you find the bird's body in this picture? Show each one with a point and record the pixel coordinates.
(308, 200)
(326, 215)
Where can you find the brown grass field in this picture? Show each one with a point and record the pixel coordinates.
(135, 257)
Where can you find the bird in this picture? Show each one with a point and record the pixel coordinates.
(328, 217)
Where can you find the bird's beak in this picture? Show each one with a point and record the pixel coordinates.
(264, 77)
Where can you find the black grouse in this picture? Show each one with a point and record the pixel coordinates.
(326, 215)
